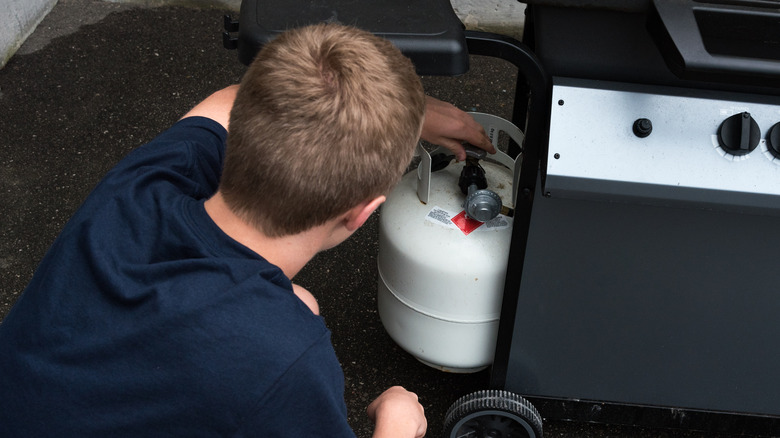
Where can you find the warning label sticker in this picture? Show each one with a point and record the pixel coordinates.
(498, 223)
(465, 223)
(460, 221)
(441, 217)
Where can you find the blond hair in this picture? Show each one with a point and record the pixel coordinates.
(326, 117)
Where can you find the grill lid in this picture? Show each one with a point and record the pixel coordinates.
(732, 42)
(719, 40)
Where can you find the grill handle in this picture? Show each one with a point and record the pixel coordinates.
(719, 40)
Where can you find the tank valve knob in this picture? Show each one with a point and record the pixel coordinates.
(482, 205)
(474, 152)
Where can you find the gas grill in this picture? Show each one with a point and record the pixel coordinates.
(645, 289)
(643, 278)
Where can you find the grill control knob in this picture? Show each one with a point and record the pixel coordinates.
(739, 134)
(642, 127)
(773, 139)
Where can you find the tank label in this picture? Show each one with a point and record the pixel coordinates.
(440, 216)
(498, 223)
(460, 221)
(465, 223)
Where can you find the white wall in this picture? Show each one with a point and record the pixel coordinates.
(18, 19)
(500, 16)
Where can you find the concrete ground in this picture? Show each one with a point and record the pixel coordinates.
(98, 79)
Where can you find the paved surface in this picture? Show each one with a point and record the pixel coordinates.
(75, 100)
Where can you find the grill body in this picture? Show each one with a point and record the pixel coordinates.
(648, 290)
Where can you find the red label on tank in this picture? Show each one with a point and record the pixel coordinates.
(465, 223)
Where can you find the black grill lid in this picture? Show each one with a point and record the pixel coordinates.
(734, 43)
(721, 40)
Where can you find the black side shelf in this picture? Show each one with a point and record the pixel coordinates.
(428, 32)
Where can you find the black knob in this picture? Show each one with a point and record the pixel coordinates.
(773, 139)
(642, 127)
(739, 134)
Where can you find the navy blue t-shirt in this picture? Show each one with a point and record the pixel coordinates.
(145, 320)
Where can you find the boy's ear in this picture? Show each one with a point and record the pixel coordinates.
(360, 213)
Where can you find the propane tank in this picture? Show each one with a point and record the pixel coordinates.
(443, 249)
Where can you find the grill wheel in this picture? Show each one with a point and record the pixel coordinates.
(492, 414)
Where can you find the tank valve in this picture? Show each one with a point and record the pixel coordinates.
(481, 204)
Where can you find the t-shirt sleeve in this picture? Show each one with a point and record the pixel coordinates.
(189, 155)
(306, 401)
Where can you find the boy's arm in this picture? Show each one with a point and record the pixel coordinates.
(217, 106)
(444, 125)
(307, 298)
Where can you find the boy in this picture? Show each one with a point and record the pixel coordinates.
(165, 307)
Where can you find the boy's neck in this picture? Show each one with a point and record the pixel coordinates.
(290, 253)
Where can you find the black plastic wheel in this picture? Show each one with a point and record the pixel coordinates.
(492, 414)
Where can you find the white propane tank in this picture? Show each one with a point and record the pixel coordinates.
(441, 284)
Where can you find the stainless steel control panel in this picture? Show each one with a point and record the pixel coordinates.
(659, 145)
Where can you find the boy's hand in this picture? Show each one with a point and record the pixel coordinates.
(445, 125)
(397, 414)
